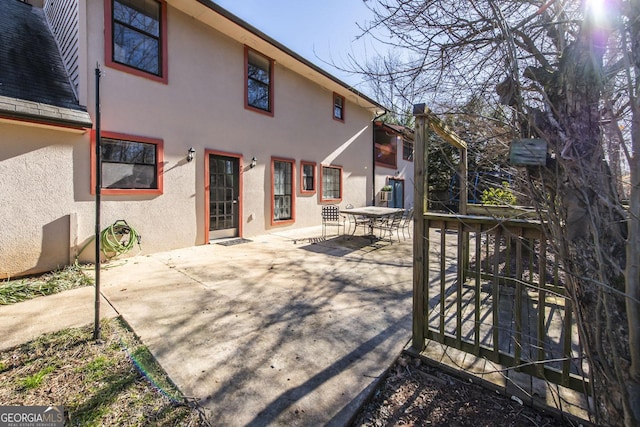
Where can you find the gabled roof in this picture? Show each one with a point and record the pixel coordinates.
(33, 81)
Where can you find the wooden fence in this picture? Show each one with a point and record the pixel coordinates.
(493, 288)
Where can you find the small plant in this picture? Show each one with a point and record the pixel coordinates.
(498, 195)
(34, 381)
(97, 368)
(386, 188)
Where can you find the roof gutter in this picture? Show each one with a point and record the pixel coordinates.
(44, 114)
(240, 22)
(373, 157)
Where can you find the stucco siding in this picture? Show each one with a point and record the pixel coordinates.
(36, 198)
(202, 106)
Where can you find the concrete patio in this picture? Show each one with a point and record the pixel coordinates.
(288, 329)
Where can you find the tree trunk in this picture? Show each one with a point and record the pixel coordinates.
(633, 242)
(590, 232)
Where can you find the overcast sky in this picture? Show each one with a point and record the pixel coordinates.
(319, 31)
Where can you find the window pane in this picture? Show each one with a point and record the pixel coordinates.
(258, 67)
(139, 14)
(407, 150)
(386, 154)
(308, 180)
(128, 164)
(136, 49)
(258, 94)
(136, 34)
(123, 175)
(282, 186)
(127, 151)
(331, 183)
(258, 81)
(258, 74)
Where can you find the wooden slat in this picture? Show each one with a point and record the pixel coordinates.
(478, 290)
(542, 302)
(496, 295)
(519, 313)
(443, 262)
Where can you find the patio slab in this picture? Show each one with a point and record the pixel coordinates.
(287, 329)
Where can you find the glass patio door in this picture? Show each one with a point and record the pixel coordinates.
(397, 193)
(224, 193)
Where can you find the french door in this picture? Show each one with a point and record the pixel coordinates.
(224, 196)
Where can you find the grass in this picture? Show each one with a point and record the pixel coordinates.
(17, 290)
(115, 382)
(34, 381)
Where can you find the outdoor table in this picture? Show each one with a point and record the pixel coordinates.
(373, 213)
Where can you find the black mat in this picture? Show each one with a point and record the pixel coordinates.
(233, 242)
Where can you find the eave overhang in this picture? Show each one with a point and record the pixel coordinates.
(239, 30)
(39, 114)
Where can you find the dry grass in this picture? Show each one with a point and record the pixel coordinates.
(115, 382)
(17, 290)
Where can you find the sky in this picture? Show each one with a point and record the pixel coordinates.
(322, 32)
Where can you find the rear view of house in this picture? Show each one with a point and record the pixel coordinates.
(209, 129)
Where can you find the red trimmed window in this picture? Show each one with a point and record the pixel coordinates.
(129, 164)
(307, 177)
(258, 82)
(331, 184)
(338, 107)
(407, 150)
(136, 37)
(283, 191)
(386, 149)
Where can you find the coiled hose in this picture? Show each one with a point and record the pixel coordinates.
(118, 239)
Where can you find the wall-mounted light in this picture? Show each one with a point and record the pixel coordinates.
(191, 154)
(253, 163)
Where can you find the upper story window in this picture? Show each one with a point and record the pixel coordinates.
(331, 183)
(259, 82)
(136, 37)
(338, 107)
(386, 149)
(129, 164)
(407, 150)
(307, 177)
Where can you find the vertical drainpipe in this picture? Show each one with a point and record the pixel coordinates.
(373, 156)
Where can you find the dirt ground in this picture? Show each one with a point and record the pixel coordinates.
(415, 394)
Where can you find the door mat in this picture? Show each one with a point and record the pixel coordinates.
(233, 242)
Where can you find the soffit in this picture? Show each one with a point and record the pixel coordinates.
(240, 31)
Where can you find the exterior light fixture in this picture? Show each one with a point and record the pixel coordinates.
(253, 163)
(191, 154)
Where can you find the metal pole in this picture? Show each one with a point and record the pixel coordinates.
(98, 172)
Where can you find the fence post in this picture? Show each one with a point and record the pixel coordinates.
(420, 238)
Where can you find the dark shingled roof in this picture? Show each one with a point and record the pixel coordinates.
(30, 64)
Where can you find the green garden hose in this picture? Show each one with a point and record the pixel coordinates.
(118, 239)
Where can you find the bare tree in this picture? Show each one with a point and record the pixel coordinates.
(564, 70)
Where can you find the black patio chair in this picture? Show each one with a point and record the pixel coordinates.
(358, 221)
(389, 225)
(331, 217)
(407, 218)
